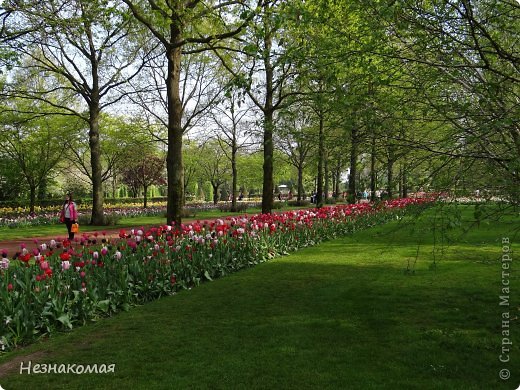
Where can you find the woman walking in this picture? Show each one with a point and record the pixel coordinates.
(69, 215)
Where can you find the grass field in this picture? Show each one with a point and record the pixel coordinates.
(382, 309)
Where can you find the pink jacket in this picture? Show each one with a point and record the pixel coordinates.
(73, 212)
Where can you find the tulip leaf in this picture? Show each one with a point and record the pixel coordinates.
(65, 320)
(103, 305)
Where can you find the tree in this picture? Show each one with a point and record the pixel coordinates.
(142, 172)
(86, 46)
(200, 91)
(249, 168)
(192, 169)
(214, 166)
(35, 145)
(182, 27)
(462, 59)
(296, 141)
(233, 133)
(11, 187)
(121, 140)
(264, 69)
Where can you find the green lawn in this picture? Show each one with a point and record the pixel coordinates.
(341, 315)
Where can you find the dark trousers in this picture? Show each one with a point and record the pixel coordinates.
(68, 223)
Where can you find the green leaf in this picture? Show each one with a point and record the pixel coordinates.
(103, 305)
(65, 320)
(206, 274)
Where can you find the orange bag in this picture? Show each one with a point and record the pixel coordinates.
(74, 228)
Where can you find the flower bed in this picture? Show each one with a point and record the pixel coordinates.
(59, 285)
(19, 217)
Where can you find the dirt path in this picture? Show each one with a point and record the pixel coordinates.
(15, 245)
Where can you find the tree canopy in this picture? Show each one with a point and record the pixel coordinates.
(390, 97)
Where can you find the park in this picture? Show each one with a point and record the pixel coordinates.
(259, 194)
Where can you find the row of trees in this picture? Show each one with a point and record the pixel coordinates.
(429, 90)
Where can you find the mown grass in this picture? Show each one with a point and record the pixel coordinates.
(370, 311)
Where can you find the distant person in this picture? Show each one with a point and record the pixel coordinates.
(69, 214)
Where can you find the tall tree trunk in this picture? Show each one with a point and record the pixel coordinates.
(338, 180)
(300, 181)
(390, 177)
(174, 164)
(114, 186)
(400, 180)
(353, 168)
(268, 182)
(215, 192)
(145, 196)
(201, 193)
(321, 158)
(326, 176)
(404, 178)
(97, 217)
(32, 197)
(333, 179)
(234, 178)
(42, 189)
(373, 177)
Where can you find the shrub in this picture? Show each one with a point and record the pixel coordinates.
(226, 207)
(277, 205)
(83, 219)
(301, 203)
(112, 219)
(188, 212)
(109, 219)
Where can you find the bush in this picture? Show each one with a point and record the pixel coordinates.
(226, 207)
(110, 219)
(188, 212)
(83, 219)
(300, 203)
(277, 205)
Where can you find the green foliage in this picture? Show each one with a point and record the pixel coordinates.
(227, 207)
(323, 301)
(303, 203)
